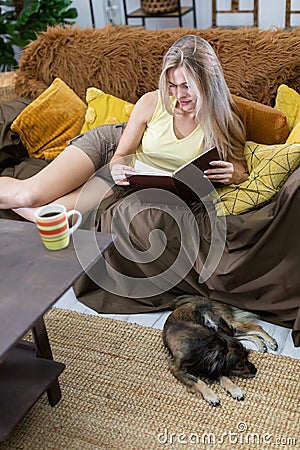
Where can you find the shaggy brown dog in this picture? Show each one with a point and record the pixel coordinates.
(203, 339)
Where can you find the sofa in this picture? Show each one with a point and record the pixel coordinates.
(258, 264)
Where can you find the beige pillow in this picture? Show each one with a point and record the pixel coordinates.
(50, 121)
(264, 125)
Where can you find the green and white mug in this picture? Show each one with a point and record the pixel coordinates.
(53, 225)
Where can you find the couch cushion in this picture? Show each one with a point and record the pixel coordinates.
(49, 122)
(288, 102)
(264, 125)
(269, 167)
(104, 109)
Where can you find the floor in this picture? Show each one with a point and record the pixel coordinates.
(157, 320)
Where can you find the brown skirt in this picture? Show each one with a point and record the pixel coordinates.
(257, 271)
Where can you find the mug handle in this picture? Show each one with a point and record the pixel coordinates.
(74, 212)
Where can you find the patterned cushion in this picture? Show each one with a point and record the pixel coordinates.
(269, 167)
(104, 109)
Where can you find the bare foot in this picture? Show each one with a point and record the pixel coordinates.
(27, 213)
(10, 193)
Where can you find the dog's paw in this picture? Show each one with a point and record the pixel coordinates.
(237, 393)
(272, 343)
(267, 342)
(233, 389)
(212, 398)
(262, 346)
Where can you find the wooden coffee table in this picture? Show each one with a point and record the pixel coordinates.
(32, 279)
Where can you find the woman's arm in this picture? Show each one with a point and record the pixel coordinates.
(132, 135)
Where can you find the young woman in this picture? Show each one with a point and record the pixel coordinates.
(191, 111)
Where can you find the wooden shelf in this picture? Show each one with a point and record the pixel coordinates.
(139, 13)
(27, 369)
(24, 377)
(179, 13)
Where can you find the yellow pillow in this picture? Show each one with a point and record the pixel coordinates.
(104, 109)
(294, 136)
(288, 102)
(263, 124)
(47, 124)
(269, 167)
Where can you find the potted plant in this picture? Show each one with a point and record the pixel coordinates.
(21, 20)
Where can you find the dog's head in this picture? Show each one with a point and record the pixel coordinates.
(237, 362)
(223, 355)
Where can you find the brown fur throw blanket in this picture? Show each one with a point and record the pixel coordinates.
(126, 61)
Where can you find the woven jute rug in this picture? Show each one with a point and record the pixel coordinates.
(118, 393)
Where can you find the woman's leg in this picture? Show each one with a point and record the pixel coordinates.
(66, 176)
(72, 168)
(85, 198)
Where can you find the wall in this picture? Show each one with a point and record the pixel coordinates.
(271, 14)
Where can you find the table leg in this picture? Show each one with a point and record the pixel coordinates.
(41, 340)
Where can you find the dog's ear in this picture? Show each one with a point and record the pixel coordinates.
(225, 327)
(215, 360)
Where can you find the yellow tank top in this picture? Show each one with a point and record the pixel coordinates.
(161, 148)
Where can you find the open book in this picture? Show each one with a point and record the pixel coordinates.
(187, 182)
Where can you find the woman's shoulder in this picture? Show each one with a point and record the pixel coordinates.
(147, 103)
(150, 98)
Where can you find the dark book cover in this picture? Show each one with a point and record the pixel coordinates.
(186, 183)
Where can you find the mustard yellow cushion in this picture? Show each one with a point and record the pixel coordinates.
(269, 167)
(104, 109)
(288, 102)
(263, 124)
(50, 121)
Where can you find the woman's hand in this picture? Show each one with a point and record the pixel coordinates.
(226, 172)
(119, 173)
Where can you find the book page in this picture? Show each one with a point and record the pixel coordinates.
(145, 169)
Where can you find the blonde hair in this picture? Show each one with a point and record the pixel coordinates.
(215, 109)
